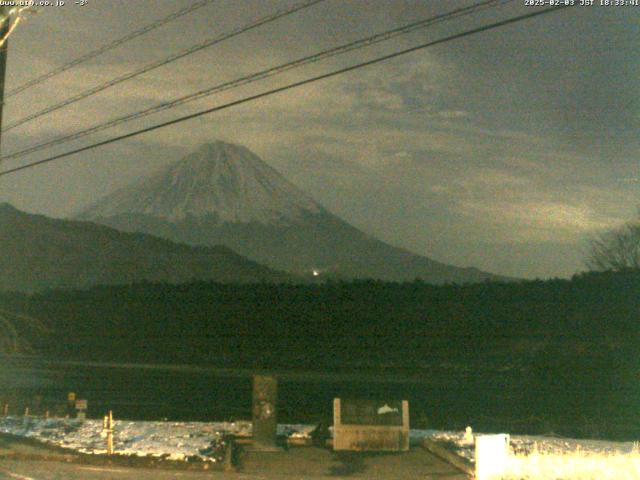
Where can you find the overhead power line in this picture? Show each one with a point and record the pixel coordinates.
(290, 86)
(105, 48)
(165, 61)
(324, 54)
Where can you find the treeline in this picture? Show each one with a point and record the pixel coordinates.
(554, 355)
(359, 323)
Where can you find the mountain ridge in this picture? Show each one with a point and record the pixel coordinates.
(41, 253)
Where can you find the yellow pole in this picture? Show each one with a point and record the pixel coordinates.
(110, 433)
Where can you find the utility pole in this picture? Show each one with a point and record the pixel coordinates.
(4, 30)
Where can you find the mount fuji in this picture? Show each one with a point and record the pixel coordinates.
(223, 194)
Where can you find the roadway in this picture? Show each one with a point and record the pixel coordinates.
(20, 461)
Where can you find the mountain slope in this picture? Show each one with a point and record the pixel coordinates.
(39, 252)
(223, 194)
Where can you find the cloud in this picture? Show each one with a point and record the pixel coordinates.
(453, 114)
(541, 220)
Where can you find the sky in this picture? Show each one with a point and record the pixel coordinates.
(505, 150)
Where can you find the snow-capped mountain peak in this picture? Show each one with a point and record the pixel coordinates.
(222, 194)
(218, 179)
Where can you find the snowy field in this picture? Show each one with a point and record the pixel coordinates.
(538, 457)
(528, 445)
(171, 440)
(531, 456)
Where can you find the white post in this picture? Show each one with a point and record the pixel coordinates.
(492, 456)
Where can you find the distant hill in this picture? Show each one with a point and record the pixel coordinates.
(225, 194)
(39, 253)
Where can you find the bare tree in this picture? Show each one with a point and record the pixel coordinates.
(617, 249)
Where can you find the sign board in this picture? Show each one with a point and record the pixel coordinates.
(71, 397)
(370, 425)
(81, 404)
(371, 412)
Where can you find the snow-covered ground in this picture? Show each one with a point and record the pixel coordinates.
(183, 440)
(542, 458)
(172, 440)
(528, 444)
